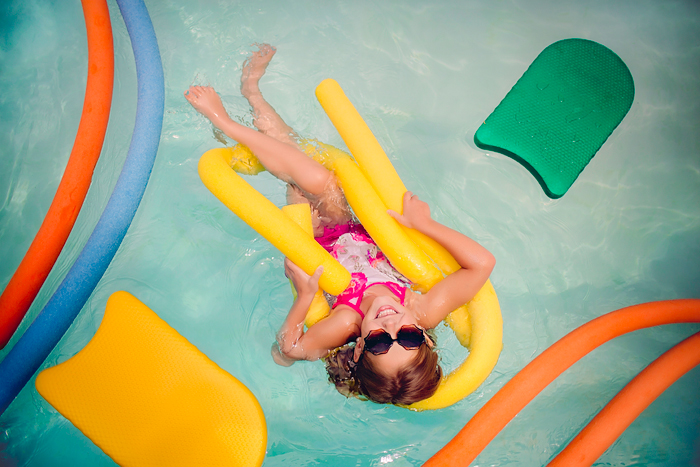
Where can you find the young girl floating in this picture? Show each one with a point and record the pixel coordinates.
(378, 309)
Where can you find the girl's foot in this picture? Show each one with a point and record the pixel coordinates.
(206, 101)
(254, 68)
(265, 118)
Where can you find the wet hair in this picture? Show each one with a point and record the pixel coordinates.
(414, 382)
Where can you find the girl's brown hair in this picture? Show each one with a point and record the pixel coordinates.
(416, 381)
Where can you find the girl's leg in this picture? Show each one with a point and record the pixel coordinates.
(265, 118)
(281, 159)
(274, 144)
(329, 206)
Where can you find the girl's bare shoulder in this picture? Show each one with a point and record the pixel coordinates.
(346, 318)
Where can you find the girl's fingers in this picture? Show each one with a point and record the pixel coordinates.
(316, 276)
(399, 218)
(318, 272)
(289, 267)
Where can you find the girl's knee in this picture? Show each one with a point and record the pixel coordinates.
(318, 180)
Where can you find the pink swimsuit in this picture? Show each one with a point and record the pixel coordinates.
(353, 248)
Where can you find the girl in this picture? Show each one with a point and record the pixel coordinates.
(374, 339)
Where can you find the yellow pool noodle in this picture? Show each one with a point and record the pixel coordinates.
(375, 164)
(301, 215)
(146, 396)
(323, 153)
(361, 142)
(485, 345)
(269, 221)
(478, 325)
(241, 159)
(404, 255)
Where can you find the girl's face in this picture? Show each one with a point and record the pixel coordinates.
(386, 313)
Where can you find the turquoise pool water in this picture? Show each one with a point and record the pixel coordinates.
(424, 77)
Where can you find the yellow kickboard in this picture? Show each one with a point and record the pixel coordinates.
(147, 397)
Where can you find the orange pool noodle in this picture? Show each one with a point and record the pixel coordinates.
(525, 385)
(60, 218)
(636, 396)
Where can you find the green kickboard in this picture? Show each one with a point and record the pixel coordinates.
(560, 112)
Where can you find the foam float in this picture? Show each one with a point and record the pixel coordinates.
(560, 112)
(147, 397)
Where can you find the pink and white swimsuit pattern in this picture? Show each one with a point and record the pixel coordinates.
(356, 251)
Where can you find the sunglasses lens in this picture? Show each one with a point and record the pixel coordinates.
(378, 342)
(410, 337)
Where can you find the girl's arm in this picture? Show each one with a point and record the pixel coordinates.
(329, 333)
(459, 287)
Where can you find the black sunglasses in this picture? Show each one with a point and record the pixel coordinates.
(409, 337)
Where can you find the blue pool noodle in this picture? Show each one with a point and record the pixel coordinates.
(32, 349)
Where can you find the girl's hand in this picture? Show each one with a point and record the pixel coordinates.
(415, 211)
(304, 283)
(279, 357)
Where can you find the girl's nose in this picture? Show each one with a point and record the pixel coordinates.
(392, 325)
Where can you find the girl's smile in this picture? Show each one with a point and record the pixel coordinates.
(386, 310)
(382, 306)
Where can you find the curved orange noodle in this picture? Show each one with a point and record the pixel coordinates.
(615, 417)
(53, 233)
(525, 385)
